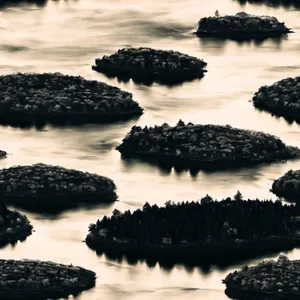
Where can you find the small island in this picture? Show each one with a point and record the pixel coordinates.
(204, 146)
(281, 98)
(13, 226)
(147, 65)
(268, 280)
(57, 98)
(2, 154)
(241, 26)
(34, 279)
(46, 188)
(207, 231)
(288, 185)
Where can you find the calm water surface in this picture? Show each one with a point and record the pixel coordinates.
(66, 36)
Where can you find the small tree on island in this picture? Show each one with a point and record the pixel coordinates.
(238, 196)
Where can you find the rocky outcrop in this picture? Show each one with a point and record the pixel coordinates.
(204, 146)
(47, 188)
(241, 26)
(268, 280)
(208, 231)
(13, 227)
(32, 98)
(288, 185)
(147, 65)
(2, 154)
(280, 98)
(34, 279)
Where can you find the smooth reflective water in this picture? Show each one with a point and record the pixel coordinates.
(66, 36)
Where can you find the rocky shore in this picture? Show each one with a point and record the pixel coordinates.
(281, 98)
(218, 232)
(34, 279)
(147, 65)
(268, 280)
(288, 185)
(204, 146)
(13, 227)
(53, 97)
(46, 188)
(241, 26)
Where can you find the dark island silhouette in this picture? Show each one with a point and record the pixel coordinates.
(208, 147)
(201, 232)
(53, 189)
(29, 99)
(147, 65)
(241, 26)
(268, 280)
(34, 279)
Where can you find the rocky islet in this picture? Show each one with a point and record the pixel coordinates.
(147, 65)
(288, 185)
(204, 146)
(268, 280)
(198, 232)
(241, 26)
(54, 97)
(281, 98)
(34, 279)
(13, 227)
(47, 188)
(2, 154)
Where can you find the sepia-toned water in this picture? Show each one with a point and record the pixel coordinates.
(66, 36)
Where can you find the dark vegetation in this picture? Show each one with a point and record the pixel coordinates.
(241, 26)
(268, 280)
(52, 189)
(209, 147)
(27, 99)
(281, 98)
(274, 3)
(288, 186)
(147, 65)
(34, 279)
(198, 232)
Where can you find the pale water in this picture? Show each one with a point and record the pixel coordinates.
(66, 36)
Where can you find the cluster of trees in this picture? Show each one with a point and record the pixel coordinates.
(201, 221)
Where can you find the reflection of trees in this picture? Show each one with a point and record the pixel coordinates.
(8, 3)
(274, 3)
(40, 3)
